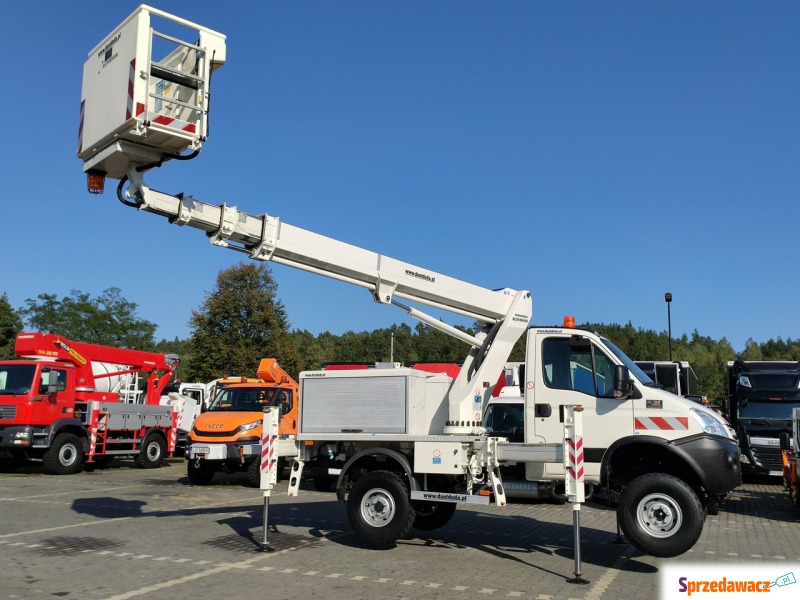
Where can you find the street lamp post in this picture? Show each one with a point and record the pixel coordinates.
(668, 298)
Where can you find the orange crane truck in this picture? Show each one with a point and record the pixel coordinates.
(227, 437)
(76, 402)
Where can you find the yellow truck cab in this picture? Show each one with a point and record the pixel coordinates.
(227, 436)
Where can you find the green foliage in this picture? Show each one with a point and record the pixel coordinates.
(179, 347)
(240, 322)
(108, 319)
(398, 343)
(10, 326)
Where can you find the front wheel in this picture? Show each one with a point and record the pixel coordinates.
(660, 515)
(378, 508)
(199, 471)
(65, 456)
(254, 473)
(152, 452)
(9, 463)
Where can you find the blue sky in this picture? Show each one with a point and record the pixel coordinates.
(598, 154)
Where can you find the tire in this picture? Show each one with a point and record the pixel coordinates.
(65, 456)
(379, 510)
(284, 468)
(254, 473)
(9, 464)
(432, 515)
(199, 471)
(712, 509)
(152, 452)
(660, 515)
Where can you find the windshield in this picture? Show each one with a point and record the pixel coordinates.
(632, 367)
(16, 379)
(767, 409)
(246, 399)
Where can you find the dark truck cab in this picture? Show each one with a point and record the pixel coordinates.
(759, 403)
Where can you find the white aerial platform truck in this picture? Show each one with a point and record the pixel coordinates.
(406, 446)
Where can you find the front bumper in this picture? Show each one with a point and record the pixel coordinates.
(715, 459)
(222, 452)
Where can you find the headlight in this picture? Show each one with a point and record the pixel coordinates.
(249, 426)
(744, 381)
(709, 424)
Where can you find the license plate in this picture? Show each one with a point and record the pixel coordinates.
(776, 473)
(200, 450)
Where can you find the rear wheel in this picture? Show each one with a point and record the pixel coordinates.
(65, 456)
(660, 515)
(200, 472)
(378, 508)
(432, 515)
(152, 452)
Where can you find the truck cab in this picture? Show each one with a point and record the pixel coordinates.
(676, 376)
(227, 436)
(632, 426)
(761, 397)
(33, 396)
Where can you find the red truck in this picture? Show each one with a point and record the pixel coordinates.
(66, 402)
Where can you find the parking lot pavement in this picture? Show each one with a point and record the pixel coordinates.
(124, 533)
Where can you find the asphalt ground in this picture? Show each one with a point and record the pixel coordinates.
(123, 532)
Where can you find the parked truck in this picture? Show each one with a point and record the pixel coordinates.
(759, 402)
(407, 447)
(676, 376)
(65, 402)
(227, 436)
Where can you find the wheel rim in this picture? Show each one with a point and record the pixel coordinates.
(659, 515)
(378, 507)
(153, 451)
(68, 455)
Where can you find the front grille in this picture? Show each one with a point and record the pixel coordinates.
(768, 458)
(212, 434)
(8, 413)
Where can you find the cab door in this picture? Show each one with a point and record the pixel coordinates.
(572, 370)
(51, 393)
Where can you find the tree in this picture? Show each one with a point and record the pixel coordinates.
(10, 326)
(108, 319)
(239, 323)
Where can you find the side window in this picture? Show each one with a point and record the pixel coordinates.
(52, 375)
(604, 374)
(285, 401)
(571, 364)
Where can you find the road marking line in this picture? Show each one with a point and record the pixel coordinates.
(605, 581)
(77, 492)
(73, 526)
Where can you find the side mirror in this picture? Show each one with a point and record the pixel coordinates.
(52, 382)
(623, 384)
(785, 441)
